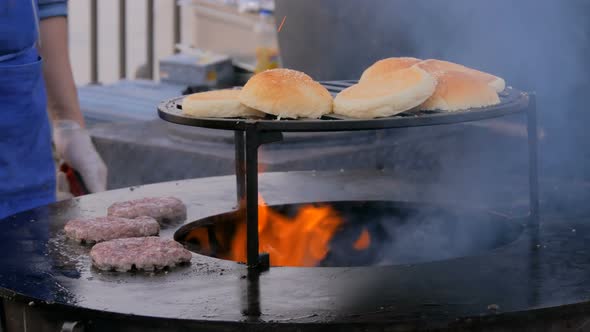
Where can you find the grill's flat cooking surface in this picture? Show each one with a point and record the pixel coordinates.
(512, 101)
(37, 265)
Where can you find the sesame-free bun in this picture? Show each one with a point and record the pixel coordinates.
(386, 67)
(457, 91)
(437, 66)
(286, 93)
(393, 94)
(217, 104)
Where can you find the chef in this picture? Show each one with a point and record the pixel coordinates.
(36, 87)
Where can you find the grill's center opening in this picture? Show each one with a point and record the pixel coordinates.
(358, 233)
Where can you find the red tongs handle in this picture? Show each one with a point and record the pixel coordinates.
(77, 186)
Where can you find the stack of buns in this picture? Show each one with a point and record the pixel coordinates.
(387, 67)
(433, 85)
(439, 66)
(460, 88)
(386, 95)
(388, 87)
(457, 91)
(284, 93)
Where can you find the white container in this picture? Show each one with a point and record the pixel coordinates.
(198, 68)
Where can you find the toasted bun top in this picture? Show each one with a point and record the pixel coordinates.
(460, 91)
(386, 67)
(286, 93)
(393, 94)
(436, 67)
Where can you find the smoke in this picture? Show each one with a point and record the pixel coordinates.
(437, 236)
(539, 46)
(536, 45)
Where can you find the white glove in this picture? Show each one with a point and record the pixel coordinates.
(63, 187)
(74, 146)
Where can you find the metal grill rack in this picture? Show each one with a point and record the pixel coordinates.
(252, 133)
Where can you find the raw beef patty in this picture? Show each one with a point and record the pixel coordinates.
(141, 253)
(100, 229)
(164, 209)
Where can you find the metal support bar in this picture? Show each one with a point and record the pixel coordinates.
(251, 296)
(93, 41)
(150, 39)
(240, 165)
(379, 150)
(533, 160)
(534, 265)
(534, 220)
(253, 140)
(269, 137)
(252, 197)
(122, 39)
(2, 317)
(177, 21)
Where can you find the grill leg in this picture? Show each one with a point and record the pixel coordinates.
(251, 298)
(533, 161)
(2, 317)
(379, 150)
(254, 139)
(252, 197)
(534, 264)
(240, 167)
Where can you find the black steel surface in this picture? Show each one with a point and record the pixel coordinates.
(521, 283)
(512, 101)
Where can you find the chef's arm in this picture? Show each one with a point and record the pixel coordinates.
(62, 98)
(72, 141)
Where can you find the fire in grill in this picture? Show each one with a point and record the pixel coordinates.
(353, 233)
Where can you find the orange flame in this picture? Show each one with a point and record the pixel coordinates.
(302, 240)
(200, 236)
(363, 242)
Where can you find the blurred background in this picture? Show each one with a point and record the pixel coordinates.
(128, 56)
(187, 23)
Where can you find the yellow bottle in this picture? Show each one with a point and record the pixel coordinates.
(267, 53)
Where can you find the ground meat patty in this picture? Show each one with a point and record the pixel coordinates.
(108, 228)
(144, 253)
(163, 209)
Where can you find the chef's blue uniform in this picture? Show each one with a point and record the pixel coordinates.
(27, 174)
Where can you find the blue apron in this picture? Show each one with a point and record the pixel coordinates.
(27, 173)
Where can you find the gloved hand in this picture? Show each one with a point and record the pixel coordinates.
(73, 145)
(63, 187)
